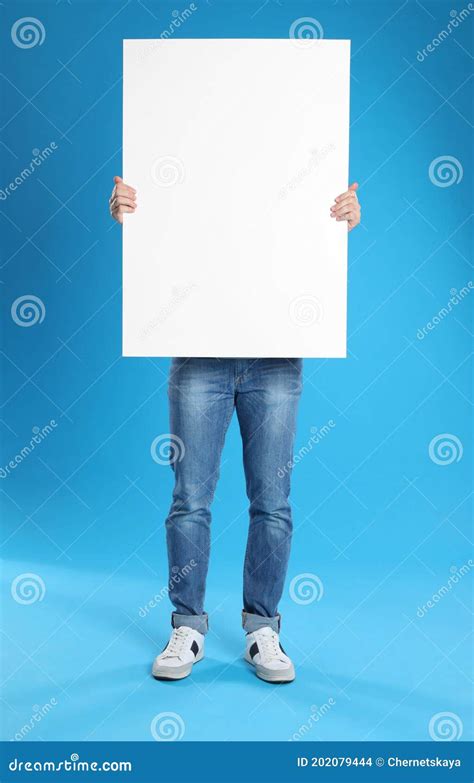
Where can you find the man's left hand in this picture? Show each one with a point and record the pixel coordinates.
(347, 207)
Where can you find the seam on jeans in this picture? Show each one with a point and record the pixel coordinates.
(221, 446)
(245, 371)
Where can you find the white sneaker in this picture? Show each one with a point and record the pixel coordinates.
(184, 649)
(266, 654)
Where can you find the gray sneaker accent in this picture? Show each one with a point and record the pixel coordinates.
(175, 672)
(272, 675)
(185, 648)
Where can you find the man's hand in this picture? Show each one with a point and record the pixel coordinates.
(347, 207)
(123, 199)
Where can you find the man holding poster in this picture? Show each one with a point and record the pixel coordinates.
(203, 393)
(236, 166)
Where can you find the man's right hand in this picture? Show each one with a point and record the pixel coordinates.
(123, 199)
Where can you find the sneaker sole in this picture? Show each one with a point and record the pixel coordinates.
(268, 675)
(179, 673)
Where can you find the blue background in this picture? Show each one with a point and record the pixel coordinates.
(377, 521)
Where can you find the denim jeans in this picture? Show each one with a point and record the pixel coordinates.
(203, 394)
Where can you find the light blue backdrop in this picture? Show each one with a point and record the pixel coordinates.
(382, 522)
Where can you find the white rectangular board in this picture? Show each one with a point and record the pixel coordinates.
(237, 149)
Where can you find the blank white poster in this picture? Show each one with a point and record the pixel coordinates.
(237, 149)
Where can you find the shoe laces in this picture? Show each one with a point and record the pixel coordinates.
(177, 641)
(269, 644)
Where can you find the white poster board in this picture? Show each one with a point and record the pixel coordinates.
(237, 148)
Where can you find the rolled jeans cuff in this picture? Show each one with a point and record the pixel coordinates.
(253, 622)
(197, 621)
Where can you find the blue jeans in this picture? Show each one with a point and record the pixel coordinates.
(203, 394)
